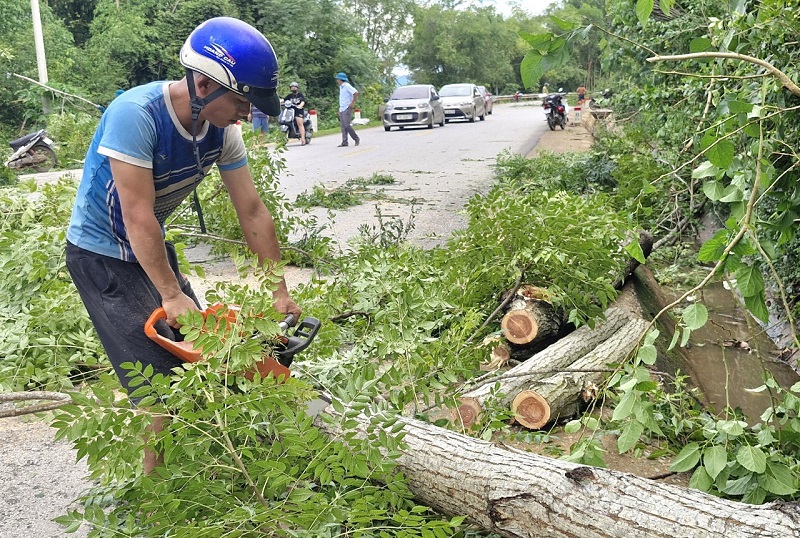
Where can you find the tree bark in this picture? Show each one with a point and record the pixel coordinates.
(563, 393)
(517, 494)
(558, 356)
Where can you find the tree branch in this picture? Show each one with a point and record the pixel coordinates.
(787, 82)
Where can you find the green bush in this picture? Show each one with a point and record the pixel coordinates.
(72, 133)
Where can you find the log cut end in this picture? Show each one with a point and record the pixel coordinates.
(531, 410)
(519, 326)
(467, 413)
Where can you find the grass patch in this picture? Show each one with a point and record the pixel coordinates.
(352, 193)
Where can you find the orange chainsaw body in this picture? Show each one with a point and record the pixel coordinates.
(188, 353)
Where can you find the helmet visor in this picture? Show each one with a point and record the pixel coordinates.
(264, 99)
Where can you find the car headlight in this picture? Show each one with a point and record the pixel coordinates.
(423, 105)
(389, 106)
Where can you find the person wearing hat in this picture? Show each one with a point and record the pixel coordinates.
(347, 98)
(298, 101)
(152, 147)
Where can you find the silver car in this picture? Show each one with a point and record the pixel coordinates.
(462, 102)
(414, 105)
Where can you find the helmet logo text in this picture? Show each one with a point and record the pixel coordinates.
(220, 53)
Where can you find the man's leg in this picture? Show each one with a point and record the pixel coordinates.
(343, 125)
(349, 126)
(301, 129)
(119, 298)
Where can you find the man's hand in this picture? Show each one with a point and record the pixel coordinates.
(285, 305)
(177, 306)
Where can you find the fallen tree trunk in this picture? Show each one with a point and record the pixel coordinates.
(558, 356)
(562, 394)
(517, 494)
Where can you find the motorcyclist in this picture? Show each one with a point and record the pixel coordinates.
(298, 101)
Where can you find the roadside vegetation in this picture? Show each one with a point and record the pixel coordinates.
(399, 320)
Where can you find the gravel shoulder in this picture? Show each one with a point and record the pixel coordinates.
(40, 477)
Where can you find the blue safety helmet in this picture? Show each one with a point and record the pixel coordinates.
(238, 57)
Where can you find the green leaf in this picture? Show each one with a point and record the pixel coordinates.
(705, 169)
(686, 459)
(715, 458)
(643, 10)
(752, 459)
(573, 426)
(778, 479)
(757, 305)
(563, 24)
(531, 69)
(732, 193)
(666, 6)
(713, 190)
(749, 280)
(695, 316)
(738, 107)
(630, 436)
(699, 44)
(647, 354)
(712, 249)
(740, 486)
(624, 407)
(720, 153)
(635, 250)
(700, 480)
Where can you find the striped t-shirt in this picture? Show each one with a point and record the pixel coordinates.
(140, 127)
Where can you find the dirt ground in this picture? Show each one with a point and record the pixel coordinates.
(40, 477)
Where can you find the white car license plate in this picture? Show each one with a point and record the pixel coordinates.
(404, 116)
(449, 112)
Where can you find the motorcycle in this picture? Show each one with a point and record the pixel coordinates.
(289, 126)
(556, 111)
(35, 151)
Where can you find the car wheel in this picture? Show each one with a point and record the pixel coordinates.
(483, 116)
(430, 125)
(441, 123)
(472, 119)
(387, 129)
(447, 121)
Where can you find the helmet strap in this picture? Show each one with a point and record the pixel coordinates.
(198, 104)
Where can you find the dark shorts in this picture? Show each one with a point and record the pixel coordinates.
(120, 297)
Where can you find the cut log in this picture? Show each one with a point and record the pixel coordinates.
(517, 494)
(530, 317)
(563, 393)
(558, 356)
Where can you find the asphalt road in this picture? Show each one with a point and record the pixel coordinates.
(435, 170)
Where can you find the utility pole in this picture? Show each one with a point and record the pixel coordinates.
(41, 63)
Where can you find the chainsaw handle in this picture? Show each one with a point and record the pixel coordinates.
(287, 322)
(183, 350)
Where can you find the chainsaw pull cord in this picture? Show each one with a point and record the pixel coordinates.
(197, 105)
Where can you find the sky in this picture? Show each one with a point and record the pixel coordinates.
(534, 7)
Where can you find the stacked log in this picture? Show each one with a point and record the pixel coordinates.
(558, 356)
(518, 494)
(562, 394)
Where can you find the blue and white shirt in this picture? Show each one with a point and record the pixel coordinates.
(346, 93)
(140, 127)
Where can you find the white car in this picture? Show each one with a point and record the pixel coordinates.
(462, 102)
(414, 105)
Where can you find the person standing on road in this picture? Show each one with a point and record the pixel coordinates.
(581, 91)
(153, 146)
(298, 101)
(260, 121)
(347, 98)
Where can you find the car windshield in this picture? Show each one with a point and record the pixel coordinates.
(456, 90)
(411, 92)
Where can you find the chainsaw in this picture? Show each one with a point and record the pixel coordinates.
(286, 346)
